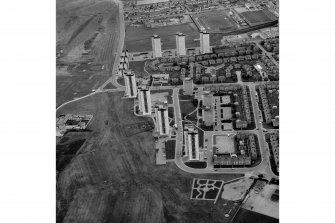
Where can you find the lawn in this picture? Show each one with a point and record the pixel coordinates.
(137, 66)
(187, 107)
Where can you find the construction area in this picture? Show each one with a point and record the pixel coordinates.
(87, 41)
(114, 177)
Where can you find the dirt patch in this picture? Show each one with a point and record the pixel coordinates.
(236, 190)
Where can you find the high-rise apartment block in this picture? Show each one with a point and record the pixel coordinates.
(144, 99)
(191, 142)
(130, 81)
(156, 46)
(188, 86)
(204, 42)
(180, 42)
(162, 118)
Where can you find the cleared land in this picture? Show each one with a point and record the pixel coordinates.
(114, 177)
(262, 203)
(138, 39)
(236, 190)
(87, 34)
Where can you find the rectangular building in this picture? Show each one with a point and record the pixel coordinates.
(162, 119)
(144, 99)
(130, 81)
(208, 111)
(191, 142)
(180, 42)
(156, 46)
(204, 42)
(188, 86)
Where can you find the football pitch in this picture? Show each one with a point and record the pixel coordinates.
(257, 17)
(215, 22)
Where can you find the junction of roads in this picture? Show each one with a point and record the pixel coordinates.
(263, 167)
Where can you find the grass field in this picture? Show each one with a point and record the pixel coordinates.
(257, 17)
(138, 39)
(186, 107)
(215, 21)
(115, 179)
(87, 39)
(137, 66)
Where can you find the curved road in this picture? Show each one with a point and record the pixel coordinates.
(264, 167)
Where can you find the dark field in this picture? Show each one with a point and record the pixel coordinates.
(257, 17)
(138, 39)
(87, 38)
(170, 149)
(137, 66)
(187, 107)
(110, 86)
(215, 21)
(246, 216)
(115, 179)
(196, 164)
(64, 153)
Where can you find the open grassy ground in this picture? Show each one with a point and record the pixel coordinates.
(258, 17)
(138, 39)
(218, 21)
(87, 34)
(113, 178)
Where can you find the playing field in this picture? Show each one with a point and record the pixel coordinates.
(257, 17)
(217, 21)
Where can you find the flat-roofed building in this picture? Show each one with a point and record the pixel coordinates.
(144, 99)
(188, 86)
(130, 81)
(191, 142)
(156, 46)
(208, 111)
(180, 44)
(162, 118)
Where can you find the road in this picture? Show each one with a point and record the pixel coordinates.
(267, 53)
(113, 78)
(264, 167)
